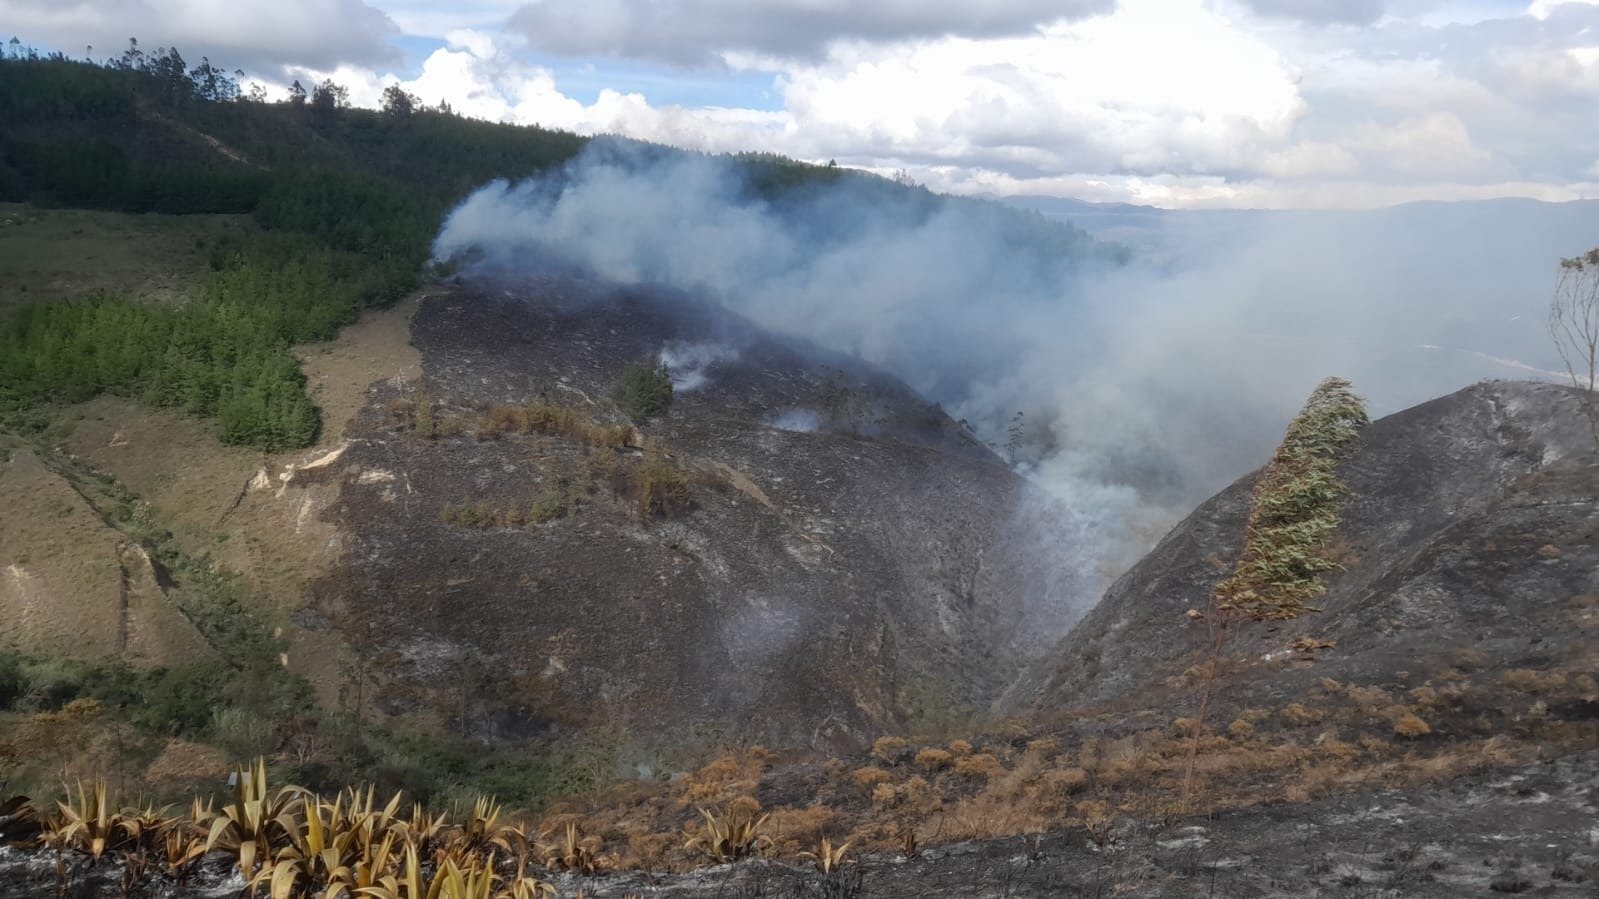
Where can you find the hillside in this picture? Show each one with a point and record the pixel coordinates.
(679, 588)
(1469, 532)
(189, 374)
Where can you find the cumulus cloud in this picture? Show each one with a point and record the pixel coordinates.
(700, 32)
(1199, 102)
(1355, 12)
(1155, 87)
(263, 37)
(1164, 101)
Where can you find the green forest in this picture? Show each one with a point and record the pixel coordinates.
(344, 204)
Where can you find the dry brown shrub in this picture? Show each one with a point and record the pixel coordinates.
(933, 760)
(663, 490)
(718, 781)
(1468, 658)
(1050, 795)
(1329, 746)
(981, 765)
(920, 795)
(1186, 727)
(795, 830)
(1526, 680)
(891, 750)
(1255, 716)
(870, 776)
(1315, 782)
(1088, 755)
(1096, 820)
(648, 848)
(744, 807)
(1297, 714)
(1550, 551)
(1585, 601)
(1425, 696)
(959, 748)
(185, 766)
(1410, 727)
(1241, 729)
(1372, 743)
(983, 818)
(1368, 697)
(884, 796)
(1043, 747)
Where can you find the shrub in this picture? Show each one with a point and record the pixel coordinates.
(960, 748)
(979, 765)
(1296, 713)
(1411, 726)
(643, 390)
(891, 750)
(1043, 747)
(663, 491)
(550, 505)
(1240, 729)
(933, 760)
(870, 776)
(1186, 727)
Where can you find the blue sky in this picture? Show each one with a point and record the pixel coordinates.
(1284, 103)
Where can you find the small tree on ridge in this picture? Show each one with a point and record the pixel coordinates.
(1574, 327)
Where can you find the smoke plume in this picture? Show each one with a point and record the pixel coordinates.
(1145, 386)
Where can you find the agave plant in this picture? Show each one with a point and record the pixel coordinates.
(18, 820)
(88, 825)
(181, 847)
(828, 858)
(336, 848)
(145, 824)
(481, 832)
(730, 835)
(423, 829)
(572, 852)
(255, 821)
(473, 879)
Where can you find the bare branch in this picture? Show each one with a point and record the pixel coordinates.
(1574, 327)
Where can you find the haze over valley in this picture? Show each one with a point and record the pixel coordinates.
(525, 449)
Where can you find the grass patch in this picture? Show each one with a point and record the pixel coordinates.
(644, 389)
(59, 254)
(663, 490)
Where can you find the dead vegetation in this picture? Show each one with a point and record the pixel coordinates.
(1093, 777)
(613, 461)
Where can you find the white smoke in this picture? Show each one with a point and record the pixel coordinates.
(803, 421)
(688, 363)
(1146, 387)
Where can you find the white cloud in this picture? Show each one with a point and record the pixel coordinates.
(1177, 102)
(258, 35)
(1542, 8)
(1159, 84)
(1436, 145)
(700, 32)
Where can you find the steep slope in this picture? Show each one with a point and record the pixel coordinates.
(816, 587)
(1471, 529)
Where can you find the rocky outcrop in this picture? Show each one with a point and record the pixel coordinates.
(1471, 525)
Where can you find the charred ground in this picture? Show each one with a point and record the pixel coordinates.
(807, 587)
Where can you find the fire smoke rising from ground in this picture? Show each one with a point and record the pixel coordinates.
(1145, 387)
